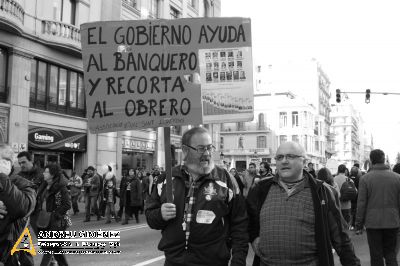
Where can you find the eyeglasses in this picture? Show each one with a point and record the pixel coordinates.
(289, 157)
(202, 149)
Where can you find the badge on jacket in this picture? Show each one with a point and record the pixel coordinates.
(205, 217)
(210, 191)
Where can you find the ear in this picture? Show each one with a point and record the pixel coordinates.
(185, 153)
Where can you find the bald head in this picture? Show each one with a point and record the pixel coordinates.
(293, 147)
(290, 159)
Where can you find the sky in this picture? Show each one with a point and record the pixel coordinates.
(356, 42)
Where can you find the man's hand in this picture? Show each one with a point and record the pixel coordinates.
(254, 245)
(168, 211)
(3, 210)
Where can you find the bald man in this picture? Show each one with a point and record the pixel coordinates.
(293, 218)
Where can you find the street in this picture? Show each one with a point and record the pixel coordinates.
(139, 245)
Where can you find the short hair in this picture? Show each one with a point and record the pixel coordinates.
(310, 163)
(396, 168)
(252, 164)
(187, 136)
(25, 154)
(357, 165)
(91, 168)
(325, 175)
(54, 169)
(341, 169)
(109, 168)
(377, 156)
(354, 171)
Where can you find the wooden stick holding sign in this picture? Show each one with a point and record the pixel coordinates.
(168, 163)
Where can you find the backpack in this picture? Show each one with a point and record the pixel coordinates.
(348, 191)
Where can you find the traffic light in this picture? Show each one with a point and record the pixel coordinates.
(338, 100)
(367, 96)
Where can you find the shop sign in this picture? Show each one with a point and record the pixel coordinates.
(138, 145)
(55, 139)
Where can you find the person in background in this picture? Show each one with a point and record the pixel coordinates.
(131, 195)
(396, 169)
(34, 174)
(17, 202)
(345, 206)
(355, 175)
(250, 178)
(82, 194)
(154, 177)
(293, 217)
(238, 179)
(75, 185)
(206, 222)
(92, 188)
(110, 194)
(55, 193)
(311, 170)
(378, 207)
(265, 171)
(325, 175)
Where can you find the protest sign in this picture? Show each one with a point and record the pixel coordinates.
(156, 73)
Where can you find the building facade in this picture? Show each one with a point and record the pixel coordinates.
(42, 96)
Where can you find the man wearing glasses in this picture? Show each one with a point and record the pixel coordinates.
(207, 219)
(293, 218)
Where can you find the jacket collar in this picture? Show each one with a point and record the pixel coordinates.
(310, 181)
(182, 172)
(380, 166)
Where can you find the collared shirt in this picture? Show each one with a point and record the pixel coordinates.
(287, 226)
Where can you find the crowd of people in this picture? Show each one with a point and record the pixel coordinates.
(295, 215)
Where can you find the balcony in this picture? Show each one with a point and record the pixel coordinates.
(61, 35)
(11, 16)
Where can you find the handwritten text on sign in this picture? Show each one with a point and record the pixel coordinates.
(145, 73)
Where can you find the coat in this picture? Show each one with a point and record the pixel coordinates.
(378, 202)
(210, 242)
(136, 195)
(19, 197)
(92, 185)
(329, 230)
(58, 202)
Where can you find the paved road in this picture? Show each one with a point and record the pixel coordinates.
(139, 245)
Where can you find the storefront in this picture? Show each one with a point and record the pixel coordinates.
(55, 145)
(137, 154)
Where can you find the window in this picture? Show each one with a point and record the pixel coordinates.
(62, 10)
(261, 142)
(3, 75)
(240, 126)
(282, 119)
(305, 117)
(173, 13)
(282, 138)
(261, 121)
(193, 3)
(295, 119)
(132, 3)
(295, 138)
(221, 143)
(316, 145)
(153, 11)
(57, 89)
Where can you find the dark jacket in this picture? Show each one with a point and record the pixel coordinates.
(19, 197)
(209, 244)
(136, 193)
(35, 175)
(92, 185)
(329, 230)
(378, 204)
(58, 202)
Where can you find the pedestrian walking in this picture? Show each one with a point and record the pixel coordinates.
(57, 200)
(324, 174)
(206, 222)
(345, 205)
(75, 184)
(131, 195)
(110, 194)
(293, 218)
(238, 179)
(92, 188)
(378, 210)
